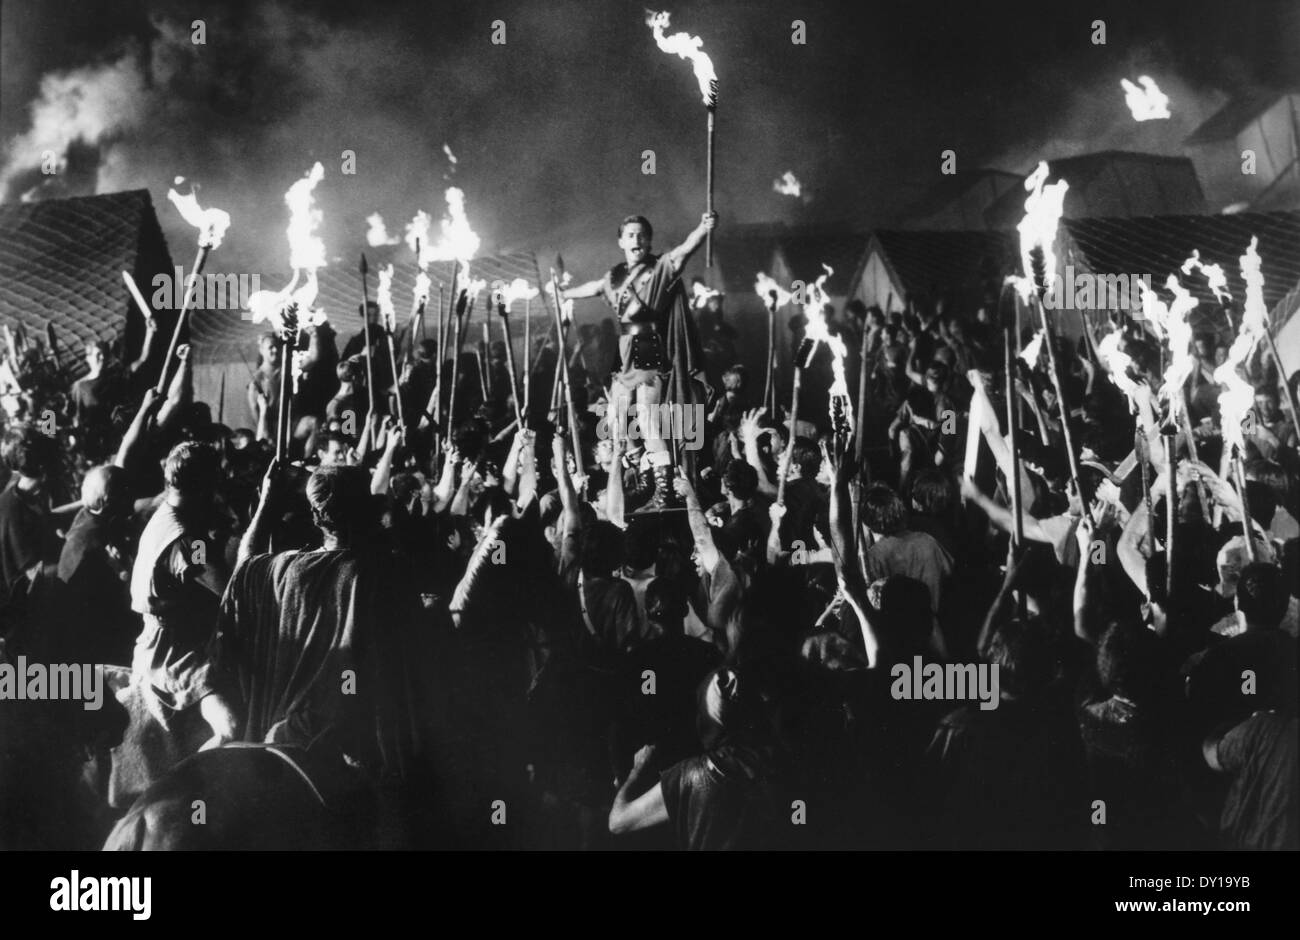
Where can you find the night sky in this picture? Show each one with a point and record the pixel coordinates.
(549, 128)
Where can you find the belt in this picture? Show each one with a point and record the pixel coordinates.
(636, 329)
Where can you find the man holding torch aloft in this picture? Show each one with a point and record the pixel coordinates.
(660, 359)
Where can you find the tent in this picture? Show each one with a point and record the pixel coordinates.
(1266, 126)
(61, 264)
(1112, 184)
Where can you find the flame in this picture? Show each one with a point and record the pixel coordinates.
(1147, 103)
(1238, 395)
(211, 223)
(450, 156)
(1217, 280)
(420, 294)
(788, 184)
(387, 312)
(459, 242)
(1037, 229)
(377, 234)
(306, 250)
(1117, 362)
(687, 47)
(818, 331)
(473, 287)
(1170, 323)
(518, 289)
(700, 295)
(268, 305)
(765, 287)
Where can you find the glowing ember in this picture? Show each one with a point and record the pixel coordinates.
(387, 312)
(450, 156)
(767, 288)
(306, 250)
(788, 184)
(1147, 103)
(377, 233)
(687, 47)
(211, 223)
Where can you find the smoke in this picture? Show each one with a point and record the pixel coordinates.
(88, 106)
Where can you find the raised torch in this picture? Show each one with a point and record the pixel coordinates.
(212, 225)
(688, 47)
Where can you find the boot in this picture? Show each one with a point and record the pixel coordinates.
(665, 497)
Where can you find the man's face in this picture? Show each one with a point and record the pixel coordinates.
(634, 241)
(1266, 407)
(334, 454)
(94, 358)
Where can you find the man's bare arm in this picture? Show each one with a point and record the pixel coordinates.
(583, 291)
(682, 253)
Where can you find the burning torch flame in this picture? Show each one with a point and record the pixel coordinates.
(518, 289)
(1214, 276)
(1117, 362)
(788, 184)
(211, 223)
(306, 250)
(1147, 103)
(818, 331)
(377, 234)
(420, 295)
(766, 288)
(1238, 395)
(687, 47)
(700, 295)
(459, 242)
(1037, 229)
(387, 312)
(1182, 361)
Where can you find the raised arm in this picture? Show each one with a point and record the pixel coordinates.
(749, 431)
(583, 291)
(852, 585)
(134, 438)
(146, 348)
(615, 498)
(257, 536)
(700, 531)
(682, 253)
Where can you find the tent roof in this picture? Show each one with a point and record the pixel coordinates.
(1228, 121)
(61, 262)
(1113, 184)
(745, 250)
(1158, 246)
(225, 335)
(933, 262)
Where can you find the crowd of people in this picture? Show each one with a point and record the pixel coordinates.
(472, 632)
